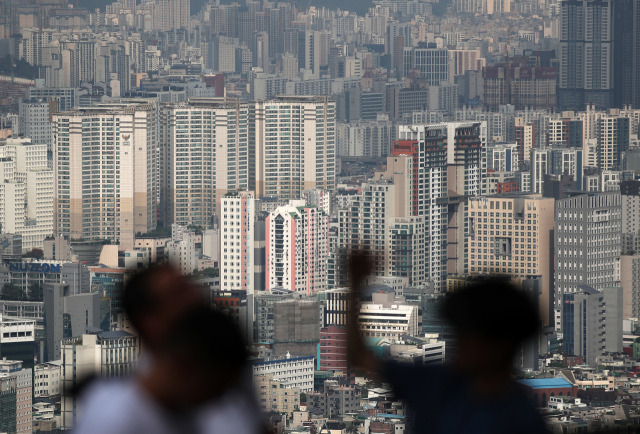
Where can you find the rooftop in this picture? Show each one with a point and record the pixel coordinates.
(545, 383)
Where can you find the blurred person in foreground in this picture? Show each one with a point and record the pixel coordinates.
(193, 376)
(476, 392)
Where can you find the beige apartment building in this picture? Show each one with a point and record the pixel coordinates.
(105, 174)
(295, 139)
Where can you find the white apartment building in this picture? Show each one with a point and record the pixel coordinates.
(388, 318)
(105, 172)
(295, 139)
(205, 154)
(290, 370)
(26, 191)
(503, 157)
(47, 379)
(181, 250)
(237, 223)
(297, 248)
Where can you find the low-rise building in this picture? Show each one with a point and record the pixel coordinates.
(47, 378)
(290, 370)
(385, 317)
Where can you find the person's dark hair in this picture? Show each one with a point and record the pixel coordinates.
(494, 309)
(210, 339)
(137, 297)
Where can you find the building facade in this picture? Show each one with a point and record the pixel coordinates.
(92, 146)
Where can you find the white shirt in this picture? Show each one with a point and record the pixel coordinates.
(122, 406)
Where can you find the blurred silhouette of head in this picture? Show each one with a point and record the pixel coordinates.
(491, 319)
(207, 355)
(155, 298)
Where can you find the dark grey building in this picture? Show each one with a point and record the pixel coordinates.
(592, 322)
(585, 54)
(67, 315)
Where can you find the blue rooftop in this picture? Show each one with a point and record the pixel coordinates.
(546, 383)
(391, 416)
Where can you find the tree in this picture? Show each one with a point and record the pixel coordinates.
(12, 292)
(34, 253)
(35, 292)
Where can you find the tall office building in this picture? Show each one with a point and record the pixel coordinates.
(586, 73)
(295, 140)
(513, 235)
(105, 172)
(587, 242)
(237, 224)
(297, 248)
(204, 154)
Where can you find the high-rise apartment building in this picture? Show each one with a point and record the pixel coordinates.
(204, 154)
(587, 242)
(586, 73)
(105, 172)
(297, 248)
(512, 235)
(449, 165)
(613, 140)
(171, 15)
(26, 191)
(566, 132)
(556, 161)
(380, 220)
(519, 84)
(626, 34)
(237, 224)
(295, 139)
(525, 135)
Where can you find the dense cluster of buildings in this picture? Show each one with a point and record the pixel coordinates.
(254, 145)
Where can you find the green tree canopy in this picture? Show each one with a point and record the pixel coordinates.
(34, 253)
(35, 292)
(11, 292)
